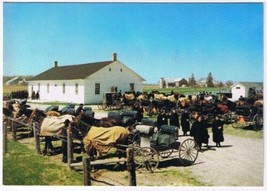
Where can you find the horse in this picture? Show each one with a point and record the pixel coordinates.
(106, 129)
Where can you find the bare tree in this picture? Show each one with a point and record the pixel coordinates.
(229, 83)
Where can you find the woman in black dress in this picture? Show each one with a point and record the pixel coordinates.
(217, 130)
(196, 131)
(185, 122)
(205, 135)
(174, 120)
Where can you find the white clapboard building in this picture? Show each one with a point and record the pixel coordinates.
(85, 83)
(243, 89)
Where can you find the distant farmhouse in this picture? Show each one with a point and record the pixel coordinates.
(85, 83)
(244, 89)
(172, 82)
(15, 80)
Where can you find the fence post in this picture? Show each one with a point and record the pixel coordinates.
(36, 138)
(69, 145)
(131, 167)
(5, 137)
(86, 171)
(8, 123)
(14, 130)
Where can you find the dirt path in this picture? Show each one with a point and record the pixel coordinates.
(239, 162)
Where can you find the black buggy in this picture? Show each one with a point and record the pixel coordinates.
(111, 101)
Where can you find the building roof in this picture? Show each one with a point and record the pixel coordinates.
(173, 79)
(71, 72)
(250, 84)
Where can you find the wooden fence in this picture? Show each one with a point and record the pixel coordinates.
(86, 163)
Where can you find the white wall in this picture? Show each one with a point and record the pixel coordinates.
(237, 91)
(119, 76)
(242, 91)
(56, 90)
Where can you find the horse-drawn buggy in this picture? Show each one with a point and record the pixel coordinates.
(111, 100)
(153, 146)
(248, 115)
(150, 146)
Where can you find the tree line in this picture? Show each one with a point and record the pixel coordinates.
(209, 82)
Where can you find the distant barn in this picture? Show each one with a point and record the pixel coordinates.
(172, 82)
(85, 83)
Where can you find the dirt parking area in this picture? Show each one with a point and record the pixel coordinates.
(239, 162)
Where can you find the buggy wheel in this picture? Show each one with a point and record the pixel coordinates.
(151, 111)
(135, 141)
(227, 118)
(100, 106)
(118, 105)
(107, 107)
(146, 157)
(188, 152)
(165, 108)
(258, 122)
(238, 121)
(165, 152)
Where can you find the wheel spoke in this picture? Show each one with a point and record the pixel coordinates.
(188, 152)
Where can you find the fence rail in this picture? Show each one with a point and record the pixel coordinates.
(85, 164)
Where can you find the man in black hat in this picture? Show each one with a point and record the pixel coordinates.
(79, 109)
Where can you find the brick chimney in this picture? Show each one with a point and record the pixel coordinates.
(56, 64)
(114, 57)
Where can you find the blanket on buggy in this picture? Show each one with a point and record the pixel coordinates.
(103, 139)
(52, 125)
(166, 137)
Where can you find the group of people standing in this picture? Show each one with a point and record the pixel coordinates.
(200, 133)
(198, 129)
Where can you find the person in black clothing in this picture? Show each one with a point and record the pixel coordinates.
(174, 119)
(140, 111)
(196, 131)
(205, 135)
(33, 94)
(217, 130)
(64, 144)
(79, 109)
(37, 95)
(185, 122)
(162, 119)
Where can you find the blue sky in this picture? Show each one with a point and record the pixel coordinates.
(154, 39)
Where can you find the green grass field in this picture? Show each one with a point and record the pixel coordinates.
(22, 166)
(245, 132)
(146, 88)
(185, 90)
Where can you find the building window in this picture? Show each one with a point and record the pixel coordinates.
(109, 69)
(63, 88)
(131, 86)
(38, 87)
(97, 89)
(121, 69)
(76, 89)
(237, 88)
(47, 88)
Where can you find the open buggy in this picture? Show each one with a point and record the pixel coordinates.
(152, 146)
(248, 115)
